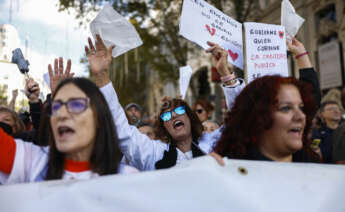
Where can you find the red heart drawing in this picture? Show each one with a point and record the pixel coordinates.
(281, 34)
(233, 55)
(211, 31)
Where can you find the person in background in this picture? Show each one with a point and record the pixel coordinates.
(203, 109)
(338, 138)
(11, 122)
(330, 116)
(13, 100)
(210, 126)
(134, 114)
(334, 95)
(147, 129)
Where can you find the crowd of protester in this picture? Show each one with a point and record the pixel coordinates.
(81, 131)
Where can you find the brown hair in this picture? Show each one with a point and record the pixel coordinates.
(106, 154)
(205, 104)
(251, 115)
(19, 126)
(196, 126)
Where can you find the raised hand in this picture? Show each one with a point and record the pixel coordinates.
(298, 49)
(219, 58)
(295, 47)
(32, 90)
(59, 74)
(100, 60)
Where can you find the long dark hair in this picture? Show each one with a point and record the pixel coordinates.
(196, 126)
(106, 155)
(252, 112)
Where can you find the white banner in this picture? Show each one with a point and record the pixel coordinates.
(198, 185)
(330, 65)
(265, 50)
(201, 22)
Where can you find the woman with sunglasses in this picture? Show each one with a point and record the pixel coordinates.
(179, 129)
(82, 140)
(203, 109)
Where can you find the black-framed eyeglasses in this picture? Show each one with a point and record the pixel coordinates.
(166, 116)
(73, 105)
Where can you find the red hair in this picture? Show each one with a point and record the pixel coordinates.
(252, 113)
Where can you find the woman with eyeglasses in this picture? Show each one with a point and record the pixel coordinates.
(82, 140)
(179, 129)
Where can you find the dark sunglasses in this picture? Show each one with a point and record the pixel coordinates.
(199, 111)
(73, 105)
(166, 116)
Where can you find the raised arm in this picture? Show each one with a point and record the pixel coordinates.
(139, 149)
(231, 86)
(306, 70)
(32, 91)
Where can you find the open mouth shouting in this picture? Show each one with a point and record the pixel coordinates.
(64, 132)
(178, 124)
(296, 131)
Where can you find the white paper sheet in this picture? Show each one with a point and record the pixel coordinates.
(198, 185)
(115, 30)
(265, 50)
(185, 75)
(290, 19)
(201, 22)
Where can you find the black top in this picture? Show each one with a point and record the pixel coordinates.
(300, 156)
(309, 75)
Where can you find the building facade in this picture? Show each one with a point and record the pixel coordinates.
(9, 40)
(324, 27)
(323, 34)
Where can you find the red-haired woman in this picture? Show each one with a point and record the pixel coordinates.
(269, 121)
(272, 115)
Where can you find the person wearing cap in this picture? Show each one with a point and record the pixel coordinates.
(134, 113)
(182, 138)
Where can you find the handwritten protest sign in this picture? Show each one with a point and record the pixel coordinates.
(265, 50)
(201, 22)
